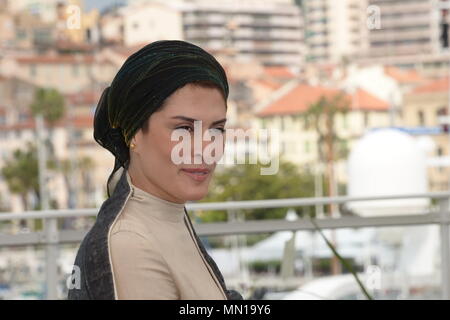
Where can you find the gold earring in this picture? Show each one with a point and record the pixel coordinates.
(132, 145)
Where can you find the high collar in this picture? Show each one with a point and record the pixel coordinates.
(160, 208)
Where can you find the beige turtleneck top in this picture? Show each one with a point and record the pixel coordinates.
(154, 254)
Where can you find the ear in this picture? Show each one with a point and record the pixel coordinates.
(136, 141)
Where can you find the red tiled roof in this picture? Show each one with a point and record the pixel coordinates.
(362, 99)
(83, 98)
(85, 121)
(301, 97)
(81, 121)
(404, 76)
(439, 85)
(268, 83)
(64, 58)
(278, 72)
(297, 100)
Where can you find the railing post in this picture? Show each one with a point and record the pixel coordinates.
(445, 247)
(51, 256)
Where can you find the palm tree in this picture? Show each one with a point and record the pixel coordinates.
(49, 104)
(86, 165)
(21, 174)
(322, 114)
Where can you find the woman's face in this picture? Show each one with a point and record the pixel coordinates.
(152, 167)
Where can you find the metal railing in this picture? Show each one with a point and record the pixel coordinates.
(52, 236)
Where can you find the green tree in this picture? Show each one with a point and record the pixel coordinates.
(82, 167)
(245, 182)
(21, 173)
(321, 114)
(49, 103)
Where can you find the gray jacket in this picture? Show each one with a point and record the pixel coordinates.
(93, 262)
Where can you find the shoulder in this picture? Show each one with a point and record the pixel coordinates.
(132, 253)
(129, 225)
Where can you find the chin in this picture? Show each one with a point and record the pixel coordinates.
(190, 193)
(195, 196)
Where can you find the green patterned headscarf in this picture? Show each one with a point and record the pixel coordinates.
(140, 87)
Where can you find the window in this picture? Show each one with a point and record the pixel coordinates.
(441, 112)
(307, 147)
(33, 71)
(77, 134)
(306, 124)
(345, 120)
(366, 119)
(263, 123)
(439, 153)
(75, 70)
(421, 118)
(23, 117)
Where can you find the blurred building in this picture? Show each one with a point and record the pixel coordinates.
(72, 145)
(388, 83)
(423, 109)
(270, 33)
(41, 24)
(335, 31)
(67, 73)
(74, 25)
(410, 34)
(406, 28)
(45, 10)
(7, 26)
(30, 32)
(299, 140)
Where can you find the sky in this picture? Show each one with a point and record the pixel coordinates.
(100, 4)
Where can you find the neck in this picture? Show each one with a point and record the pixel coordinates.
(139, 179)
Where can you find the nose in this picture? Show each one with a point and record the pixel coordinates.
(200, 152)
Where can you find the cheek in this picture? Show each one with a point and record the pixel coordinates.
(154, 152)
(163, 151)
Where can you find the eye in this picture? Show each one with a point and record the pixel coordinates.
(221, 130)
(188, 128)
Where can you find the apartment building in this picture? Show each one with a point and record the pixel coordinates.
(406, 28)
(409, 35)
(270, 33)
(423, 108)
(67, 73)
(299, 140)
(334, 30)
(71, 139)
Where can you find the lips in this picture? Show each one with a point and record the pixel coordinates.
(197, 174)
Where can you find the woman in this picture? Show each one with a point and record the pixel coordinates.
(143, 245)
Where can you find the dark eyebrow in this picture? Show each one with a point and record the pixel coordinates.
(192, 120)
